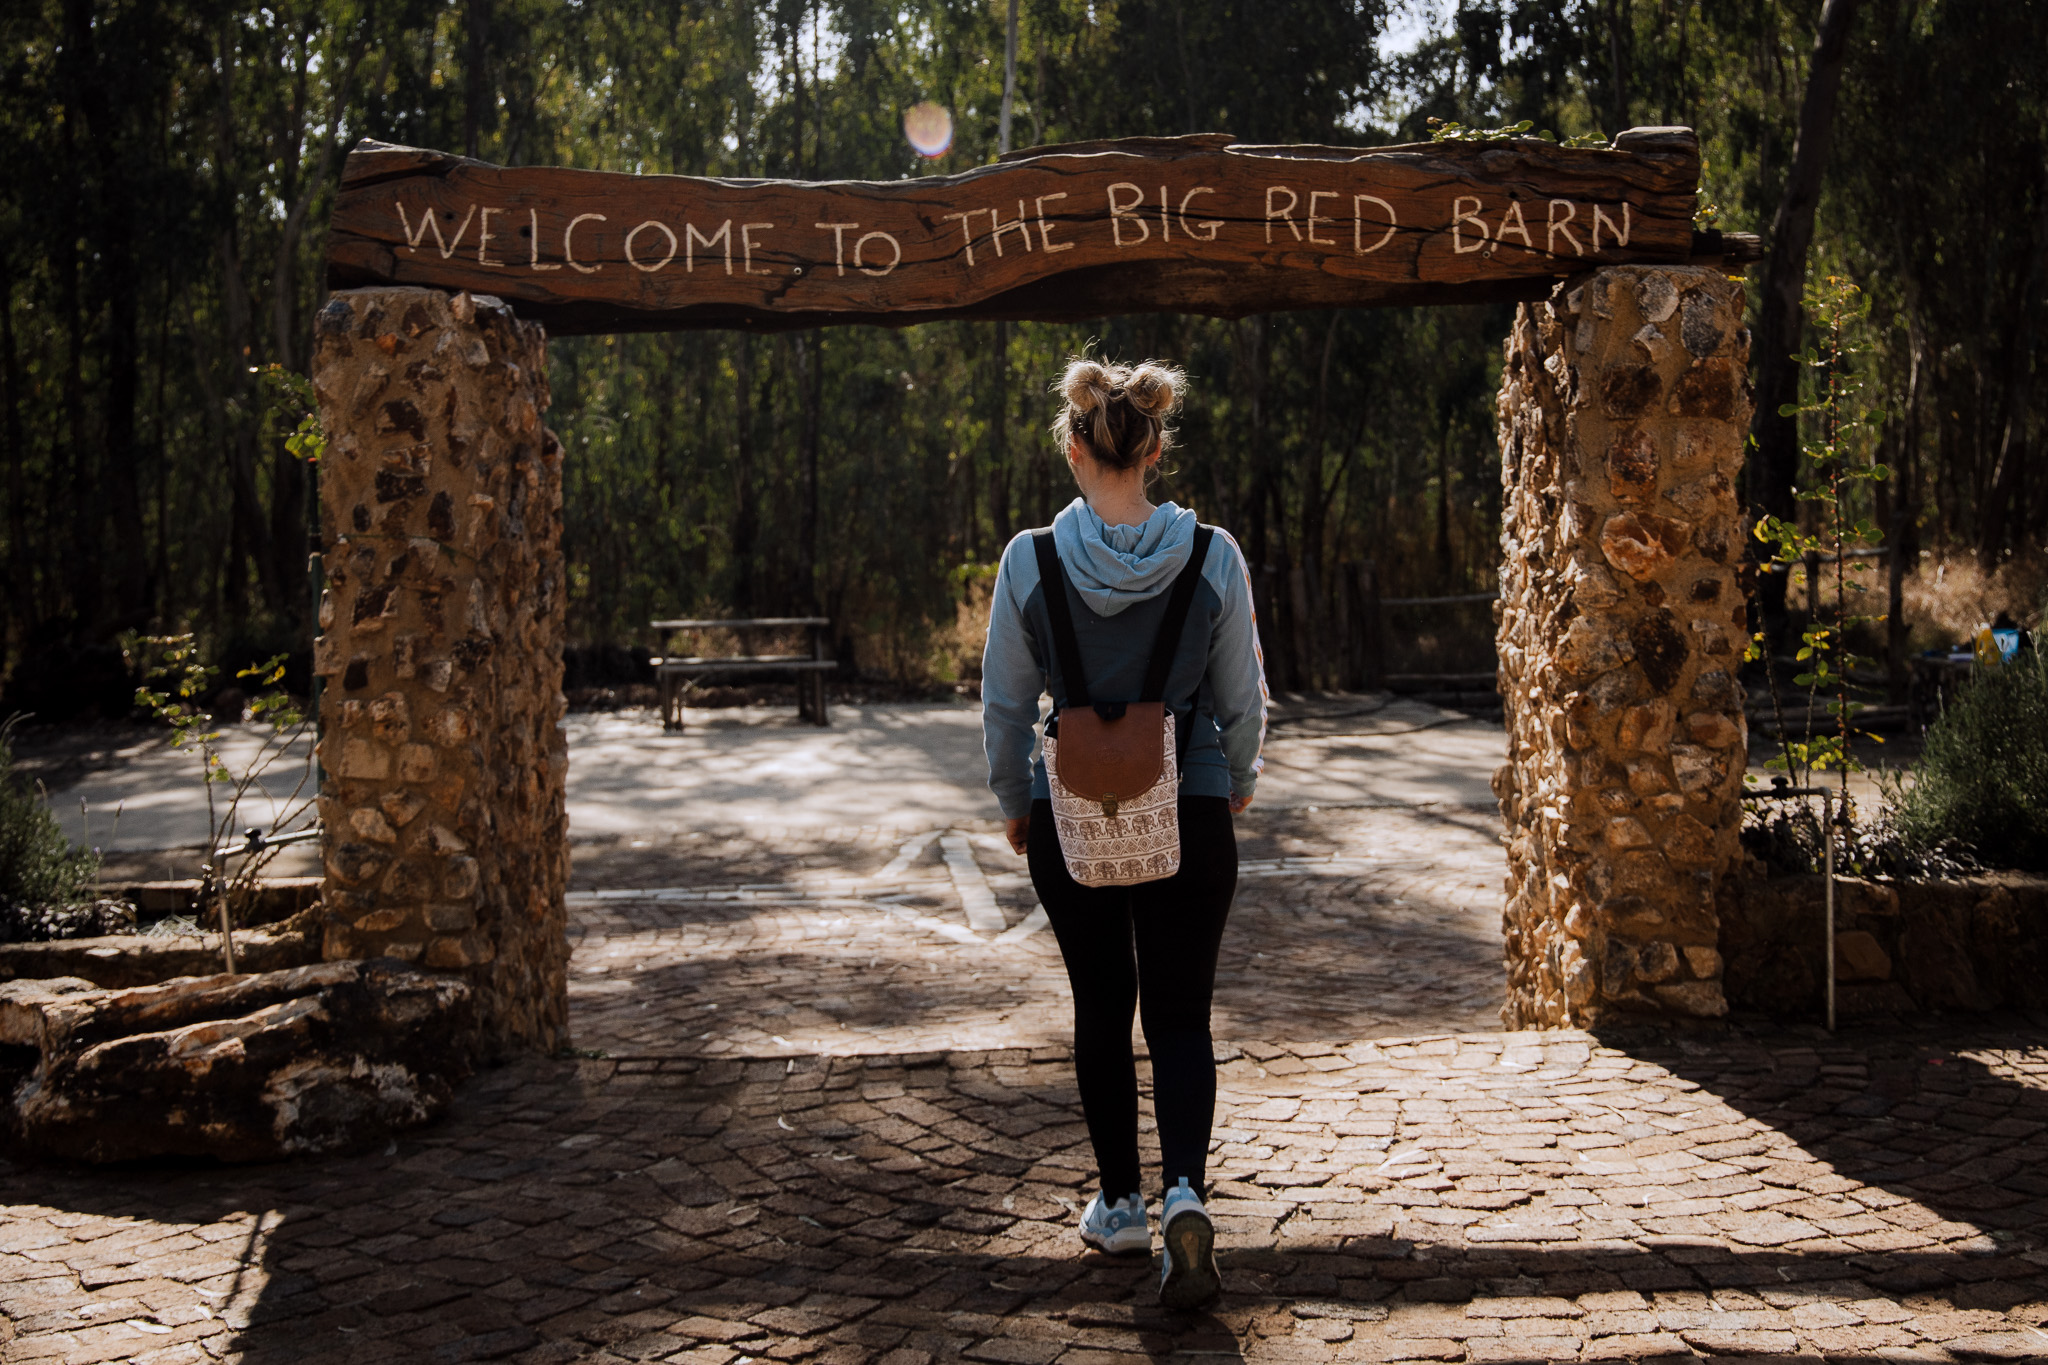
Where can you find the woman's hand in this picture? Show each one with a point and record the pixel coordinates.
(1018, 832)
(1238, 803)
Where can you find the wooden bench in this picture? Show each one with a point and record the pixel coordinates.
(809, 669)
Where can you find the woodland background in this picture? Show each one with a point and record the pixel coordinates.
(170, 165)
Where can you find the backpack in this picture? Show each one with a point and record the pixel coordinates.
(1113, 767)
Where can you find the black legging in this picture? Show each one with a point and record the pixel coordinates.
(1177, 925)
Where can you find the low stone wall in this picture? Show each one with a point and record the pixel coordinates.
(1977, 943)
(1622, 411)
(446, 834)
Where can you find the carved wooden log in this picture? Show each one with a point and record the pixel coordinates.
(1196, 224)
(323, 1058)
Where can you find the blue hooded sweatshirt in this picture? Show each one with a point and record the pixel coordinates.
(1216, 687)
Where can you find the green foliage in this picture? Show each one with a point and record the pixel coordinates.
(1842, 426)
(1982, 781)
(171, 166)
(1442, 131)
(39, 867)
(290, 408)
(173, 662)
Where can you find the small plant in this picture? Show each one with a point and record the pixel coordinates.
(1982, 783)
(172, 662)
(1441, 130)
(46, 881)
(288, 402)
(1705, 211)
(1839, 458)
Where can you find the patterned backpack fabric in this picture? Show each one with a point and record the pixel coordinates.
(1114, 767)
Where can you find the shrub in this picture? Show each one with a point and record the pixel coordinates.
(1983, 776)
(39, 867)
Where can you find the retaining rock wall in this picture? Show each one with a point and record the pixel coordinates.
(441, 647)
(1976, 943)
(1622, 412)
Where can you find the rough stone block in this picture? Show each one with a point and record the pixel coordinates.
(1616, 640)
(1859, 957)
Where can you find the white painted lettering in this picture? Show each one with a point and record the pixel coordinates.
(1045, 241)
(1019, 225)
(569, 250)
(747, 231)
(1286, 213)
(1511, 221)
(966, 229)
(1358, 203)
(861, 245)
(692, 238)
(428, 222)
(663, 229)
(483, 240)
(1212, 224)
(1163, 232)
(1314, 217)
(1554, 225)
(1127, 211)
(1600, 217)
(533, 238)
(839, 231)
(1460, 215)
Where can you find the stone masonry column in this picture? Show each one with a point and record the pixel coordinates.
(446, 836)
(1622, 412)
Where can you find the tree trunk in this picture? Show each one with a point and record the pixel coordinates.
(999, 435)
(810, 360)
(2007, 503)
(1781, 318)
(21, 601)
(746, 516)
(476, 16)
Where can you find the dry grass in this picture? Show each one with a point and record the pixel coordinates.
(1947, 598)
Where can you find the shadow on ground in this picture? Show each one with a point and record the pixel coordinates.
(844, 1208)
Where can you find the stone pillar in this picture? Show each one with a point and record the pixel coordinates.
(446, 837)
(1622, 413)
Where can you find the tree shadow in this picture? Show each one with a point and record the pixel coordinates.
(608, 1210)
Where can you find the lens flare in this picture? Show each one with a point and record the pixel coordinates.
(929, 128)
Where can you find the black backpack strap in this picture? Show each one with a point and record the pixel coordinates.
(1066, 645)
(1177, 608)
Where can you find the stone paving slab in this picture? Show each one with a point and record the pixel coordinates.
(1347, 924)
(1479, 1197)
(870, 1150)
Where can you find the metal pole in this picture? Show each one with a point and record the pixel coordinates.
(1827, 817)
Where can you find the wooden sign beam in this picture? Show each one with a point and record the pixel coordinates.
(1194, 224)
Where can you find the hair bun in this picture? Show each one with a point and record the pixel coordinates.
(1153, 389)
(1085, 386)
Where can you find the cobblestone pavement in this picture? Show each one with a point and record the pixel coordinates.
(867, 1151)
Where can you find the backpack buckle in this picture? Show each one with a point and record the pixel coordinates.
(1109, 807)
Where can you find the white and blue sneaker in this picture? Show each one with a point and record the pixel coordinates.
(1120, 1228)
(1188, 1278)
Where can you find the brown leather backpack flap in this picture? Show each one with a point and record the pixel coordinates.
(1121, 758)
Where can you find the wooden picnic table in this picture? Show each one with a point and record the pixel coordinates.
(670, 672)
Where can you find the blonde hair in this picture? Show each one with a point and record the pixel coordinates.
(1118, 412)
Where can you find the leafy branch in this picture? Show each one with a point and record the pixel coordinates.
(181, 679)
(1441, 130)
(1843, 428)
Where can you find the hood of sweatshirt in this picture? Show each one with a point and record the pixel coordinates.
(1115, 566)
